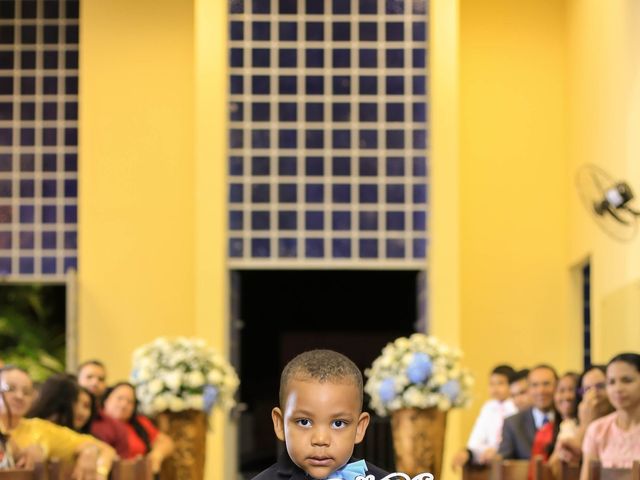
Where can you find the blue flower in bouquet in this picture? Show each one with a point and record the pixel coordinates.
(420, 368)
(209, 395)
(387, 390)
(451, 389)
(418, 371)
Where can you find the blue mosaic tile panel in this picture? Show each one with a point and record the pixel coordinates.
(39, 41)
(329, 131)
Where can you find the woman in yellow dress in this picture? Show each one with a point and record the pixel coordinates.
(34, 439)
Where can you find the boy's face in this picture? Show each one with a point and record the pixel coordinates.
(498, 387)
(93, 378)
(320, 424)
(520, 394)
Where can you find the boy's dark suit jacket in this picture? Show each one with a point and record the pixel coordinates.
(285, 469)
(518, 433)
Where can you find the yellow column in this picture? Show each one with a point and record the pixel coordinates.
(444, 253)
(211, 276)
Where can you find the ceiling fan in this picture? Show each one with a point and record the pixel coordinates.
(609, 201)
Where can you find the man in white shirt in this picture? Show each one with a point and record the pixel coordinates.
(487, 429)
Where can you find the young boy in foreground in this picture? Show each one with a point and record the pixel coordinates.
(320, 419)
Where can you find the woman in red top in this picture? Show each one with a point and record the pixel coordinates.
(564, 399)
(120, 402)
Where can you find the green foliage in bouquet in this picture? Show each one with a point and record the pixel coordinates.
(32, 328)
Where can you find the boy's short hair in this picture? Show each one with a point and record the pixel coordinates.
(323, 366)
(519, 375)
(504, 370)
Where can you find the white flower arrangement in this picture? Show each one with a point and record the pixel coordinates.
(181, 374)
(417, 372)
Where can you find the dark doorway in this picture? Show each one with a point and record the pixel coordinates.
(586, 315)
(284, 312)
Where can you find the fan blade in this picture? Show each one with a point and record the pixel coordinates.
(615, 215)
(631, 210)
(596, 180)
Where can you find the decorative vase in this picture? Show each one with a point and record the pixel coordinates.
(188, 430)
(418, 440)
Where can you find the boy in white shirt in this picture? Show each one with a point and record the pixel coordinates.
(486, 435)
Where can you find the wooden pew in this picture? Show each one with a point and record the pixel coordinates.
(37, 473)
(542, 471)
(57, 470)
(476, 472)
(509, 469)
(135, 469)
(597, 472)
(18, 474)
(569, 471)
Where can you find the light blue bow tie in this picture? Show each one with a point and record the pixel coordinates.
(350, 471)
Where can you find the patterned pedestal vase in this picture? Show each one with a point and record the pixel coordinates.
(418, 440)
(188, 430)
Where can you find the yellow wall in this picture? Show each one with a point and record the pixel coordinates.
(152, 215)
(153, 181)
(500, 286)
(604, 102)
(136, 200)
(544, 88)
(513, 221)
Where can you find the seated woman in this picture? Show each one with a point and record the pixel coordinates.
(614, 439)
(593, 403)
(85, 412)
(120, 402)
(65, 403)
(34, 439)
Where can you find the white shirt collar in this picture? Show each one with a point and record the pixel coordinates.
(539, 415)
